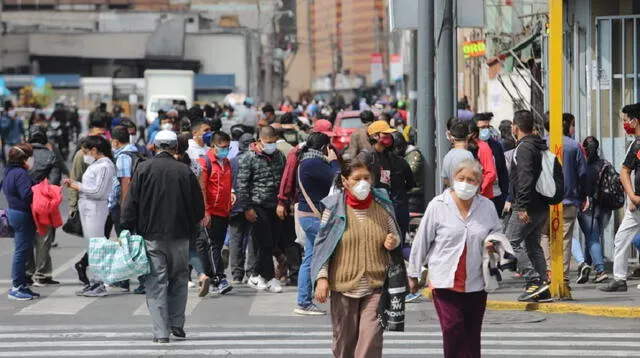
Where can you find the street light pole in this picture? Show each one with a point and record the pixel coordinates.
(426, 95)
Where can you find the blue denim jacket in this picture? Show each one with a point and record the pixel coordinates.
(331, 231)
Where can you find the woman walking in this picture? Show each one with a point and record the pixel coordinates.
(451, 237)
(593, 221)
(351, 257)
(16, 187)
(94, 192)
(318, 167)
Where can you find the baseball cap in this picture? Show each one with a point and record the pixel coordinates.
(323, 126)
(380, 127)
(166, 139)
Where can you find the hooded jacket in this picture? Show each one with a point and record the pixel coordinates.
(259, 177)
(525, 171)
(219, 185)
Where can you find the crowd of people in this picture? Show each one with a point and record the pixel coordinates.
(270, 201)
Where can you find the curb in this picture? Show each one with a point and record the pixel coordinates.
(560, 308)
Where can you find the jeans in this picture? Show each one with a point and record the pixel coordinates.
(592, 228)
(310, 225)
(636, 242)
(25, 232)
(576, 251)
(531, 262)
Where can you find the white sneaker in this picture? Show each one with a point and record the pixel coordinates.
(192, 284)
(274, 286)
(258, 283)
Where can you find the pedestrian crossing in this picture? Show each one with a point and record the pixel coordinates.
(296, 340)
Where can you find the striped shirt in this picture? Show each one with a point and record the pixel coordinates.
(363, 288)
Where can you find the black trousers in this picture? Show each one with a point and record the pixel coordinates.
(209, 247)
(266, 232)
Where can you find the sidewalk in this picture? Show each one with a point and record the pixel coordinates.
(587, 300)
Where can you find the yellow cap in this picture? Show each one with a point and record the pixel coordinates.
(380, 127)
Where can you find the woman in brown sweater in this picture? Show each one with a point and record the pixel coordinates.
(350, 259)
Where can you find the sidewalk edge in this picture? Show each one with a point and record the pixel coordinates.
(561, 308)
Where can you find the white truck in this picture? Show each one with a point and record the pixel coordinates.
(163, 87)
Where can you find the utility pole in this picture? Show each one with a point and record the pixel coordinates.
(334, 54)
(426, 95)
(268, 64)
(445, 76)
(413, 80)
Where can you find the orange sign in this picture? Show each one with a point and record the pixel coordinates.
(474, 48)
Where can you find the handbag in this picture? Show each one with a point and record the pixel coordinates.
(391, 308)
(5, 228)
(118, 260)
(73, 226)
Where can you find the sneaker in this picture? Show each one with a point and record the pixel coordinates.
(583, 273)
(274, 286)
(258, 283)
(178, 332)
(42, 282)
(19, 294)
(544, 297)
(225, 256)
(123, 286)
(140, 290)
(213, 291)
(615, 286)
(28, 290)
(203, 288)
(82, 273)
(601, 277)
(237, 281)
(161, 340)
(86, 288)
(192, 284)
(310, 310)
(98, 291)
(224, 287)
(533, 290)
(413, 297)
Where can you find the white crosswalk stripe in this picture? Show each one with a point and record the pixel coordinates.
(295, 340)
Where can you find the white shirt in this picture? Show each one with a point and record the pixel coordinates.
(195, 151)
(442, 236)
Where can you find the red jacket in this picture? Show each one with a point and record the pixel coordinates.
(46, 206)
(219, 186)
(288, 187)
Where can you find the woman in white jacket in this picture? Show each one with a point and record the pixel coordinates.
(97, 183)
(451, 237)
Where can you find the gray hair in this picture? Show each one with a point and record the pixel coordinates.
(472, 165)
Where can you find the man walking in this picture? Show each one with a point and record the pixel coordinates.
(164, 204)
(529, 209)
(630, 225)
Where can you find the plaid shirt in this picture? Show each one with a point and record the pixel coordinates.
(123, 170)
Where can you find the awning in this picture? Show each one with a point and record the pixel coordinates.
(63, 81)
(522, 49)
(204, 82)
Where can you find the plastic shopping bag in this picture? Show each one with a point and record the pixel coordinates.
(115, 261)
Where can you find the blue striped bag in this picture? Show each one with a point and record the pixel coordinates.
(115, 261)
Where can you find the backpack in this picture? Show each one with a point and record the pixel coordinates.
(550, 184)
(610, 193)
(136, 159)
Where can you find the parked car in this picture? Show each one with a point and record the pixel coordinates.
(345, 124)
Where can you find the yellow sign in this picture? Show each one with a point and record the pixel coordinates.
(473, 49)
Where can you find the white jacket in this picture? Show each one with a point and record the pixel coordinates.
(492, 263)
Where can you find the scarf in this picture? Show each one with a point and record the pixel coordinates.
(357, 204)
(314, 153)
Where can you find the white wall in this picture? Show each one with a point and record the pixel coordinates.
(220, 54)
(15, 51)
(113, 45)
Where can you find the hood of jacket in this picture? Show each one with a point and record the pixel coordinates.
(535, 139)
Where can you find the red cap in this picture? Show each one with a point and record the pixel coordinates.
(324, 126)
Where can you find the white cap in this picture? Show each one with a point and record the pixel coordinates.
(166, 138)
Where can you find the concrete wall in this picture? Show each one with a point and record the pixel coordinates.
(15, 51)
(299, 76)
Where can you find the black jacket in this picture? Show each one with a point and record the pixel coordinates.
(46, 164)
(525, 171)
(501, 166)
(164, 201)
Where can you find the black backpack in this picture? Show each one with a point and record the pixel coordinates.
(610, 193)
(136, 159)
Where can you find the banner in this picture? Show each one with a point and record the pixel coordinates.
(377, 68)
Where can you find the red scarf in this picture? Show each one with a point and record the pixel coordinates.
(358, 204)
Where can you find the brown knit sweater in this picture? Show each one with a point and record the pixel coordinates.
(360, 252)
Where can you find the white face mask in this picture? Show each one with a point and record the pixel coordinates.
(361, 190)
(29, 163)
(89, 159)
(464, 190)
(269, 148)
(167, 127)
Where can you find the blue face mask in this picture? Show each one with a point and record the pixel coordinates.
(485, 134)
(222, 153)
